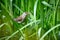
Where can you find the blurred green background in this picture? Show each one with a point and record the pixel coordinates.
(42, 23)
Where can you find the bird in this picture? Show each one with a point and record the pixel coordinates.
(21, 18)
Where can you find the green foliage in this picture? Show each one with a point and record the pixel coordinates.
(42, 23)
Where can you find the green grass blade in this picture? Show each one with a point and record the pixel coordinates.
(49, 31)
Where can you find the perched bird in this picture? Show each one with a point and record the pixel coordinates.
(21, 17)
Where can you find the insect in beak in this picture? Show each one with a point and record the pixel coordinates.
(21, 17)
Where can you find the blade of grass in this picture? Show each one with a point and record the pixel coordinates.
(10, 7)
(2, 25)
(3, 38)
(54, 18)
(18, 8)
(46, 4)
(49, 31)
(35, 7)
(39, 32)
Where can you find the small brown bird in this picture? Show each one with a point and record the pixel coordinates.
(21, 18)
